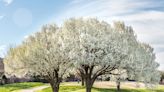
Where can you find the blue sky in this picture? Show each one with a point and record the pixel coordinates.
(20, 18)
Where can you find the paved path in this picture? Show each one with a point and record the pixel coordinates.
(34, 89)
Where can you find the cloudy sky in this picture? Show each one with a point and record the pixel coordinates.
(20, 18)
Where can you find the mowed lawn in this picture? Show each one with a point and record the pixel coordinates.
(18, 86)
(82, 89)
(75, 87)
(104, 87)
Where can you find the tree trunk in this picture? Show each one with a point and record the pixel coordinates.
(55, 87)
(88, 84)
(89, 80)
(118, 86)
(82, 81)
(88, 89)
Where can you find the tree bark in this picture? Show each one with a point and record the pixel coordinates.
(90, 77)
(118, 86)
(88, 89)
(55, 83)
(82, 81)
(55, 87)
(89, 84)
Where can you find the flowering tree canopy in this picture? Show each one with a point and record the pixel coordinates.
(42, 54)
(93, 47)
(99, 48)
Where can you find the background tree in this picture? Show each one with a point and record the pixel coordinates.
(80, 75)
(43, 54)
(144, 67)
(162, 77)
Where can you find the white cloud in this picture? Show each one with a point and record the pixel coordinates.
(160, 59)
(7, 2)
(3, 49)
(143, 16)
(105, 8)
(26, 36)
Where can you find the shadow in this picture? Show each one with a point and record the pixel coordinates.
(115, 90)
(70, 88)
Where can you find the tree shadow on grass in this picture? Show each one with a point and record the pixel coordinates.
(70, 88)
(114, 90)
(159, 90)
(127, 90)
(64, 89)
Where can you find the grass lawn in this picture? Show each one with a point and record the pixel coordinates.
(82, 89)
(75, 87)
(18, 86)
(102, 87)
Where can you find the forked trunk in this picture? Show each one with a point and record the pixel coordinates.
(88, 78)
(55, 87)
(88, 86)
(89, 83)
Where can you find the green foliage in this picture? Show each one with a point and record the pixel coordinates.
(18, 86)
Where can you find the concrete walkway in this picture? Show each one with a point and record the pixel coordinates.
(33, 89)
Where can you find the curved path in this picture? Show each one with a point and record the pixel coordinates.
(34, 89)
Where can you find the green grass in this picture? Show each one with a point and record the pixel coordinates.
(70, 87)
(64, 89)
(18, 86)
(82, 89)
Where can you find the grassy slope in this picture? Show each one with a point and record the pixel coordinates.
(17, 86)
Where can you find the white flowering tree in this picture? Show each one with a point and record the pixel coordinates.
(140, 61)
(97, 48)
(42, 54)
(144, 68)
